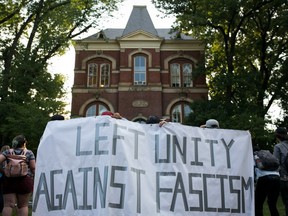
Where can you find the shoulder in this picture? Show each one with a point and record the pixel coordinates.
(277, 146)
(30, 154)
(6, 152)
(282, 145)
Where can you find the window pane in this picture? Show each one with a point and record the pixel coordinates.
(180, 112)
(140, 121)
(105, 75)
(91, 111)
(102, 109)
(140, 70)
(96, 109)
(187, 110)
(176, 114)
(92, 75)
(175, 75)
(187, 75)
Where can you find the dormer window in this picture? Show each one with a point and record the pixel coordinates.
(101, 35)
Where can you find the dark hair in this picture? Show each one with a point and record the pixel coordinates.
(57, 117)
(18, 141)
(281, 133)
(153, 120)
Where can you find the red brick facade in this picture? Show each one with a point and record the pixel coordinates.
(132, 73)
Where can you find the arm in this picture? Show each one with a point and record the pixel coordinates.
(161, 123)
(117, 115)
(2, 158)
(32, 165)
(276, 152)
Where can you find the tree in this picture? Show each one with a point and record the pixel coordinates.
(32, 32)
(246, 57)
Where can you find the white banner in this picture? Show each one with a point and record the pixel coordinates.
(104, 166)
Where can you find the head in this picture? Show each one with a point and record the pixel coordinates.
(57, 117)
(19, 141)
(281, 133)
(5, 147)
(153, 120)
(212, 123)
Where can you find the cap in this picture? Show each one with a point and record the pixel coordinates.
(212, 123)
(107, 113)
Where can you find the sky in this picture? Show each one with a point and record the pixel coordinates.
(65, 64)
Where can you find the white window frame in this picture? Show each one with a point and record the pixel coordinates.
(104, 75)
(92, 75)
(140, 70)
(181, 74)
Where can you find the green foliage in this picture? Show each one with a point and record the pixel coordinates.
(32, 32)
(246, 59)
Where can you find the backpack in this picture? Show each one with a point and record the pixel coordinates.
(266, 161)
(16, 164)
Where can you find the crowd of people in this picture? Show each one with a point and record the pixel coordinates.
(271, 184)
(15, 192)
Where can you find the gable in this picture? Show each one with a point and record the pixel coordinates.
(139, 35)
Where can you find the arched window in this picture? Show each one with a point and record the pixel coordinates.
(140, 120)
(180, 111)
(96, 109)
(140, 70)
(181, 73)
(99, 73)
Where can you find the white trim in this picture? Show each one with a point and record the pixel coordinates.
(149, 55)
(173, 102)
(168, 59)
(85, 104)
(113, 61)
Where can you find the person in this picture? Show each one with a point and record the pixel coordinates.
(17, 190)
(57, 117)
(115, 115)
(211, 123)
(153, 120)
(4, 148)
(280, 151)
(267, 186)
(156, 120)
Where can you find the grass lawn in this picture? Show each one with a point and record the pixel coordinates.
(280, 208)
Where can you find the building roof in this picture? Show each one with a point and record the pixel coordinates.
(139, 20)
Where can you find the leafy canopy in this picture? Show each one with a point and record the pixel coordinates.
(245, 62)
(32, 32)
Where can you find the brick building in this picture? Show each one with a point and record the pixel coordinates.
(137, 71)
